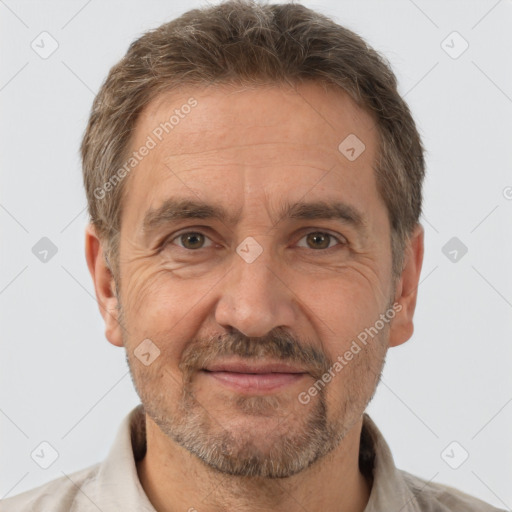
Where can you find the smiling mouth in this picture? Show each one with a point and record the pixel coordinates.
(254, 378)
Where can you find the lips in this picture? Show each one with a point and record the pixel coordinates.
(254, 378)
(242, 367)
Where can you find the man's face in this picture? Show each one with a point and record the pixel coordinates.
(262, 285)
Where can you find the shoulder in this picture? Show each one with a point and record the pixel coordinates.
(60, 495)
(431, 497)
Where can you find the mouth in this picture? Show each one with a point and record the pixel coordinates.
(255, 378)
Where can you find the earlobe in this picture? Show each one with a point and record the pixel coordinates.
(104, 285)
(402, 327)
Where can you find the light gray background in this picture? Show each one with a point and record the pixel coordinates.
(63, 383)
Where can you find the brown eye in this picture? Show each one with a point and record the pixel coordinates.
(321, 240)
(191, 240)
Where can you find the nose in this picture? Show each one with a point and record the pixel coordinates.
(255, 297)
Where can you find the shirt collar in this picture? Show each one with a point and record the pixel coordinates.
(119, 487)
(389, 489)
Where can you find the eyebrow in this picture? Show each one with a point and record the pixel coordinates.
(175, 209)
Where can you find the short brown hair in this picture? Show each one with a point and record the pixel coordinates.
(243, 42)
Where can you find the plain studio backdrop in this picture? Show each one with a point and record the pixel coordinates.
(445, 400)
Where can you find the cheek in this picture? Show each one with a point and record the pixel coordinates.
(148, 289)
(341, 304)
(164, 309)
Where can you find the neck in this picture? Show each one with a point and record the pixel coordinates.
(175, 480)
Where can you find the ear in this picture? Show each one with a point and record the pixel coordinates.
(406, 291)
(104, 286)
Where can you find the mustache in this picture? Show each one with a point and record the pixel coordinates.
(277, 345)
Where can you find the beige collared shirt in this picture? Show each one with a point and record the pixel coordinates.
(113, 485)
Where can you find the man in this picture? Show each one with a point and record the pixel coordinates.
(254, 186)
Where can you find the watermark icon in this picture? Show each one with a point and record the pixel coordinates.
(44, 250)
(507, 193)
(454, 45)
(249, 249)
(146, 352)
(455, 455)
(152, 140)
(44, 455)
(454, 249)
(342, 360)
(45, 45)
(351, 147)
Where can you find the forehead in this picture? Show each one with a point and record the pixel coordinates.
(311, 113)
(238, 143)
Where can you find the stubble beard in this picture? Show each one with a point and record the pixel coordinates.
(295, 441)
